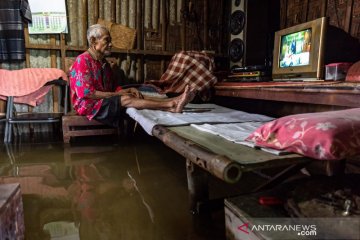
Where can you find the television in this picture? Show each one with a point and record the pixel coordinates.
(299, 52)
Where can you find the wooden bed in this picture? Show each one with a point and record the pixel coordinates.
(210, 154)
(206, 153)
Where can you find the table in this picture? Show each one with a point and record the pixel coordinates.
(334, 93)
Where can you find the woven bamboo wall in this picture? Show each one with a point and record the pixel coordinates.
(161, 31)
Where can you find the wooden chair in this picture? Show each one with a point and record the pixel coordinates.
(74, 125)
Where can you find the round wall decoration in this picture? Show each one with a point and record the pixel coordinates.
(236, 49)
(237, 22)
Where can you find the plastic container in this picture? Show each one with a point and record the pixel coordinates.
(336, 71)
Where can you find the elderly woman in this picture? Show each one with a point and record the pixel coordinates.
(92, 90)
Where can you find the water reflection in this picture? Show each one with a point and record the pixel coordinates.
(109, 191)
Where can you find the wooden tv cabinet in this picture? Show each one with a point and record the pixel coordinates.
(320, 95)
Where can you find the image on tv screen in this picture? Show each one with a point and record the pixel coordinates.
(295, 49)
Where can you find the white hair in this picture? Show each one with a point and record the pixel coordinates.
(95, 31)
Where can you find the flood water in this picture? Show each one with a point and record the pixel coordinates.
(105, 189)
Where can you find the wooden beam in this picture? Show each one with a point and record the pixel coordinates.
(96, 10)
(349, 6)
(283, 14)
(53, 64)
(63, 51)
(118, 11)
(323, 8)
(306, 12)
(163, 25)
(140, 42)
(323, 96)
(158, 15)
(127, 10)
(27, 51)
(206, 25)
(183, 27)
(113, 10)
(84, 21)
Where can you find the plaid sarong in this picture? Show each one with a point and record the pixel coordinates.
(12, 16)
(188, 68)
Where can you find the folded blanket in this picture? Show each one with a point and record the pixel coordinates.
(27, 85)
(188, 68)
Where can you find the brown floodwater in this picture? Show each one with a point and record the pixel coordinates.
(101, 188)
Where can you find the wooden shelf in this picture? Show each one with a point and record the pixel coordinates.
(341, 94)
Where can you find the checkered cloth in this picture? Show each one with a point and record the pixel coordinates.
(188, 68)
(12, 15)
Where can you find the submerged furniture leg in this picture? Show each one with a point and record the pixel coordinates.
(197, 185)
(9, 107)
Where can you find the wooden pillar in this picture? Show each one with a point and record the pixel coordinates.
(118, 11)
(283, 14)
(183, 27)
(158, 15)
(306, 12)
(219, 50)
(163, 31)
(27, 51)
(323, 8)
(348, 15)
(113, 10)
(206, 24)
(53, 64)
(96, 10)
(163, 25)
(140, 37)
(150, 23)
(73, 38)
(63, 51)
(127, 10)
(84, 21)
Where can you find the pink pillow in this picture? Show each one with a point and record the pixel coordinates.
(353, 73)
(330, 135)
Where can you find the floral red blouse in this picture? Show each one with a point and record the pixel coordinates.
(86, 76)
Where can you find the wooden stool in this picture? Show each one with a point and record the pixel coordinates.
(74, 125)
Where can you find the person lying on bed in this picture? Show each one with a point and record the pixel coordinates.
(92, 89)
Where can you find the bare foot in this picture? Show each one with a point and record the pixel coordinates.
(182, 100)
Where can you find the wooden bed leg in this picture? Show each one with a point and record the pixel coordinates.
(197, 185)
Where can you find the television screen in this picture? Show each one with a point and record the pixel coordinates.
(295, 49)
(299, 52)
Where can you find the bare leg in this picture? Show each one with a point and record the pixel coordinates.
(172, 104)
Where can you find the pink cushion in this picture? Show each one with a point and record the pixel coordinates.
(353, 73)
(330, 135)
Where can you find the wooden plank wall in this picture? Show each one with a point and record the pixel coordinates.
(344, 14)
